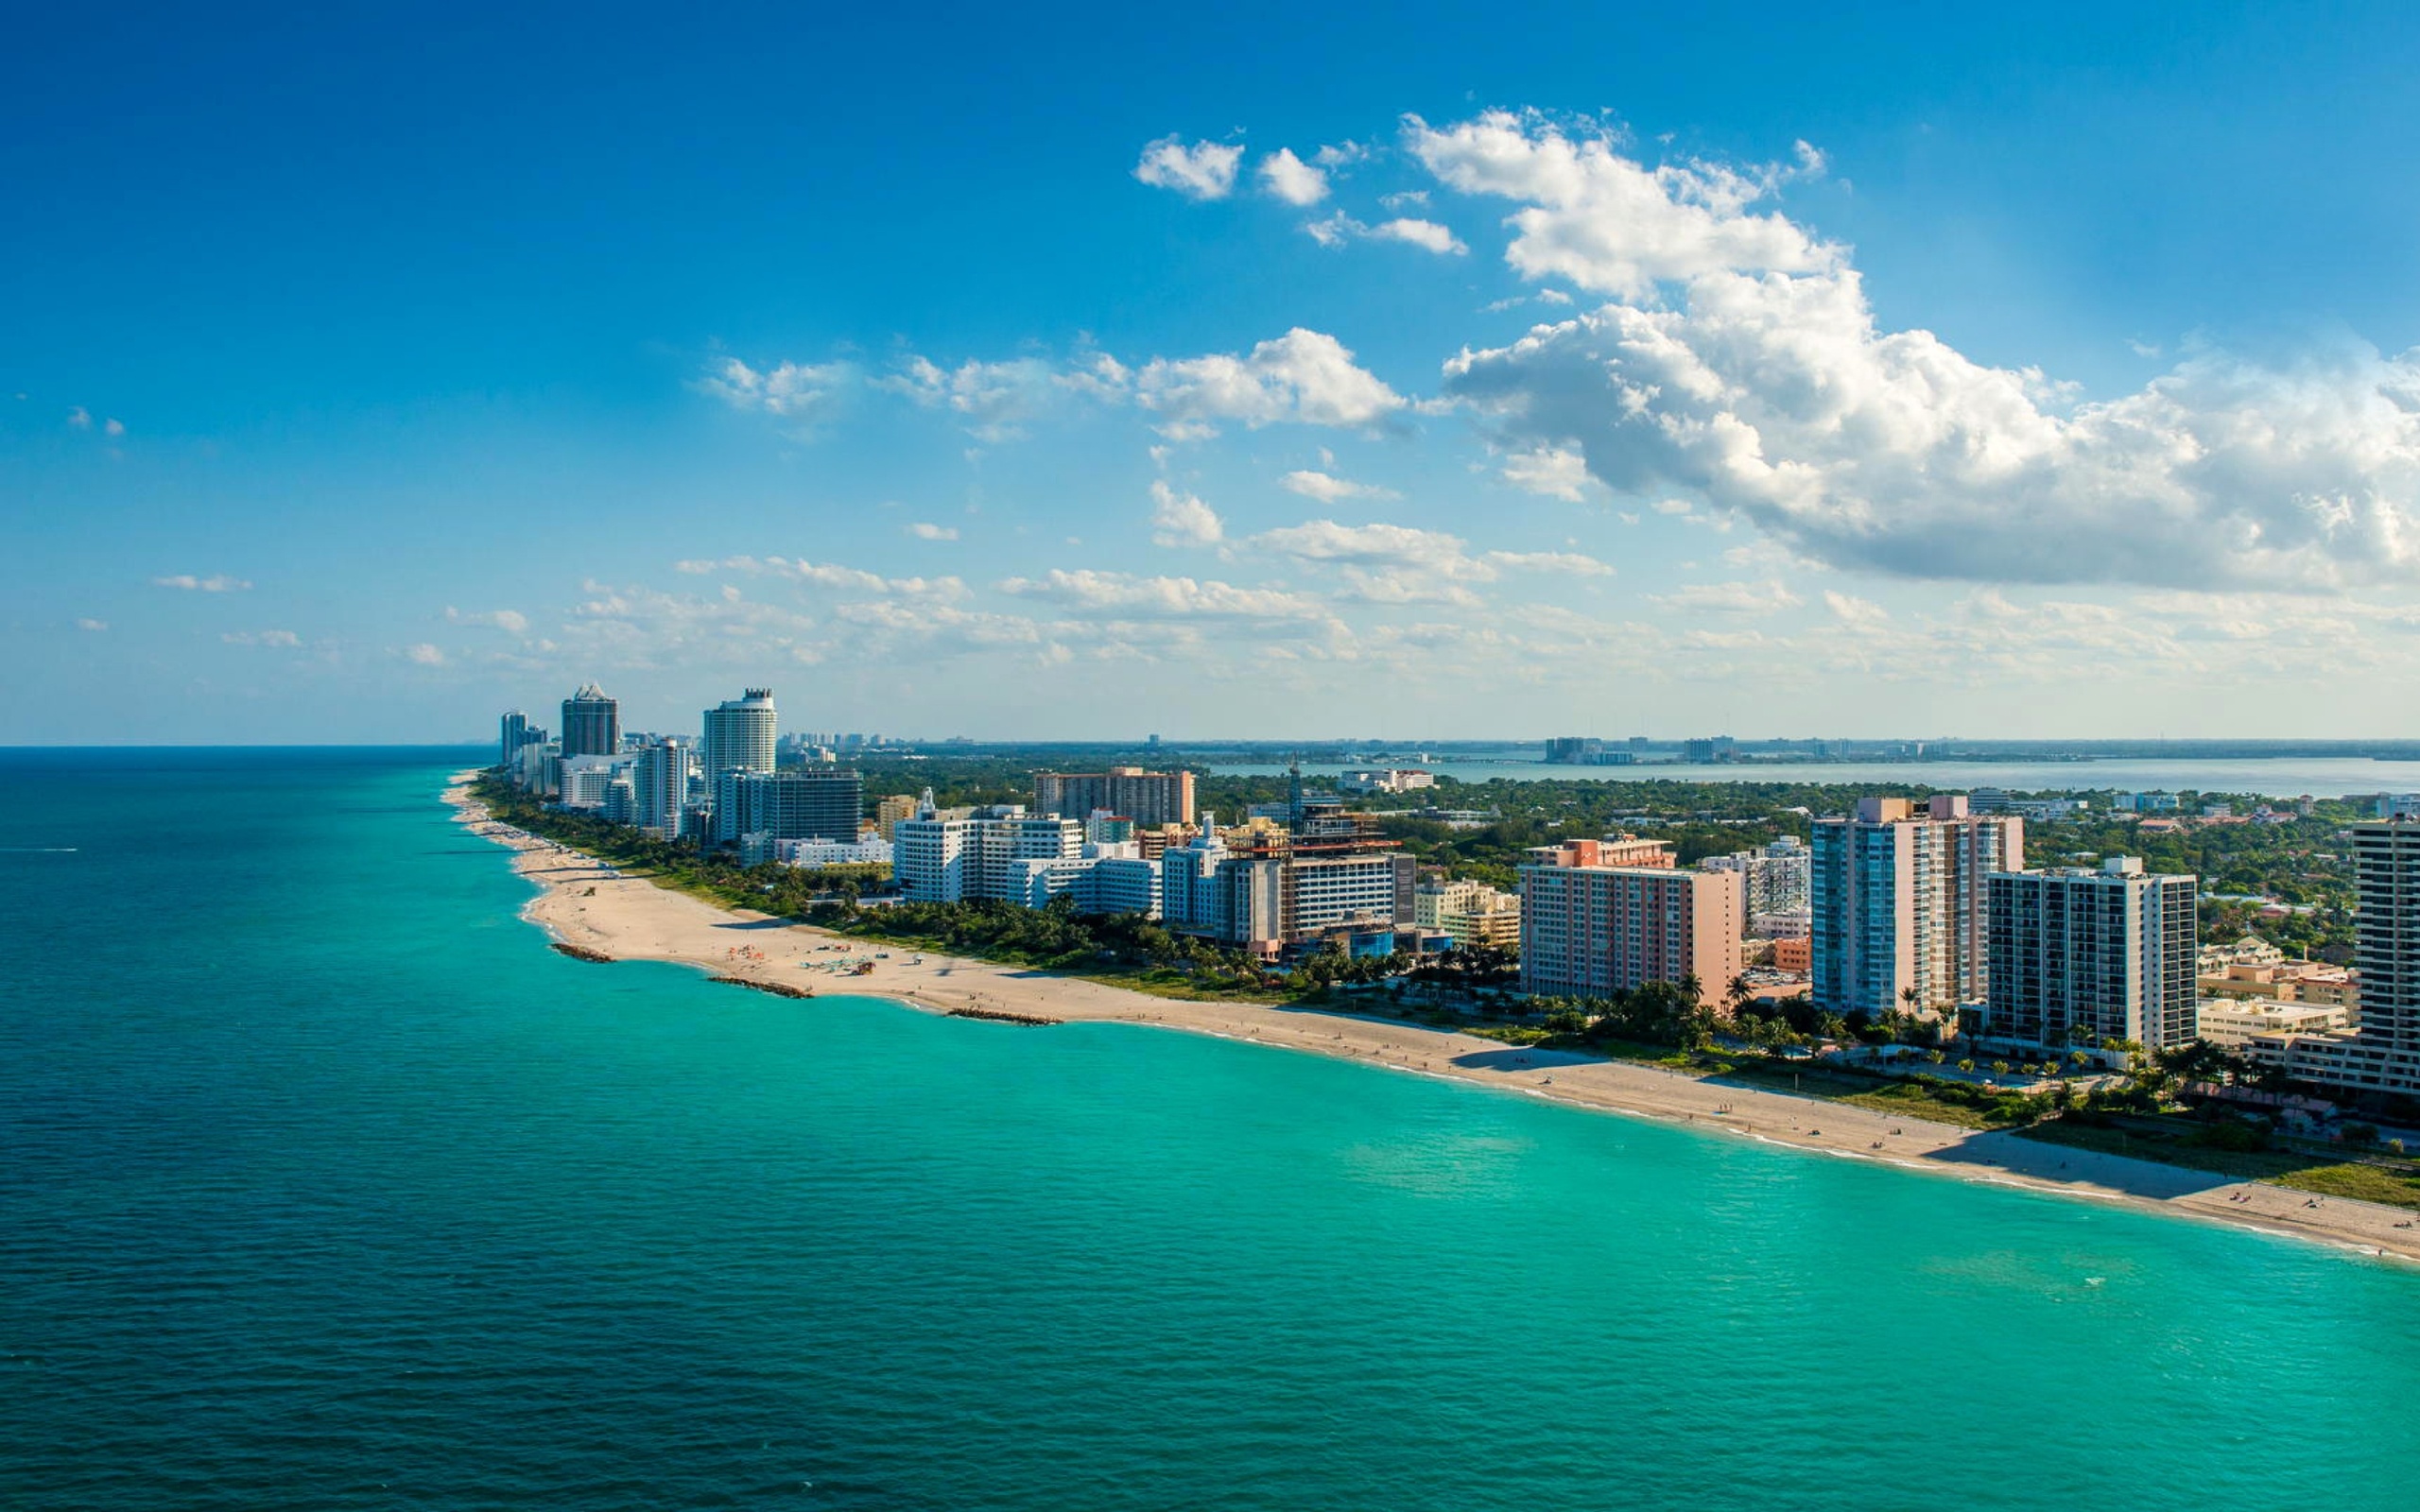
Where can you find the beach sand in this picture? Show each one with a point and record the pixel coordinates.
(581, 903)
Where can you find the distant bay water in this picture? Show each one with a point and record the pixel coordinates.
(324, 1184)
(2271, 777)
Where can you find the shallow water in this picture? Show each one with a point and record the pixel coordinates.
(324, 1183)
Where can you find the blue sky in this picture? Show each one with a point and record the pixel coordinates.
(364, 372)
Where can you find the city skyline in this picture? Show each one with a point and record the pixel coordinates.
(2027, 379)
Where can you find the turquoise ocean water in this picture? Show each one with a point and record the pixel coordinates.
(324, 1184)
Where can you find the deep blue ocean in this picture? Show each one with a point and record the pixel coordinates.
(323, 1183)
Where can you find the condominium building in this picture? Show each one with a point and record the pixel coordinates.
(660, 781)
(581, 780)
(1467, 911)
(2383, 1053)
(1899, 903)
(592, 723)
(2078, 957)
(890, 809)
(817, 803)
(740, 735)
(1149, 798)
(1776, 880)
(1385, 779)
(513, 731)
(1605, 917)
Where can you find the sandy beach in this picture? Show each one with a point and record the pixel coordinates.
(581, 903)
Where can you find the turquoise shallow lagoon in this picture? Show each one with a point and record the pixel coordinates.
(324, 1184)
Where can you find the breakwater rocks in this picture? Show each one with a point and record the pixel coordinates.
(779, 989)
(996, 1016)
(581, 953)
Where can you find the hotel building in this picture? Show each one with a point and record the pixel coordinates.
(740, 735)
(818, 803)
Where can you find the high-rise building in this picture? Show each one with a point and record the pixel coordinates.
(740, 736)
(592, 723)
(1899, 903)
(1149, 798)
(1267, 892)
(944, 857)
(890, 809)
(2383, 1053)
(817, 803)
(1776, 880)
(660, 786)
(513, 731)
(2079, 956)
(1599, 918)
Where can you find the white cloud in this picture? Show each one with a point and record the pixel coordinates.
(1770, 596)
(1205, 171)
(1327, 487)
(1426, 234)
(81, 418)
(1853, 610)
(92, 625)
(998, 398)
(1571, 563)
(286, 639)
(112, 427)
(1182, 519)
(512, 622)
(924, 530)
(1303, 376)
(1127, 594)
(1608, 222)
(215, 583)
(1555, 472)
(1292, 180)
(1741, 365)
(825, 575)
(424, 655)
(794, 391)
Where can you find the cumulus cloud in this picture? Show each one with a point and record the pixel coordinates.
(1130, 594)
(1608, 222)
(92, 625)
(1327, 488)
(424, 655)
(79, 417)
(1742, 365)
(1770, 596)
(998, 400)
(1180, 519)
(795, 390)
(286, 639)
(215, 583)
(1555, 472)
(1292, 180)
(925, 530)
(512, 622)
(112, 427)
(1204, 170)
(1426, 234)
(1304, 376)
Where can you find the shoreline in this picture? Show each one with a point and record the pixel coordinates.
(579, 904)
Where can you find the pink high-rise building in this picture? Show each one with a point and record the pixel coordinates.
(1599, 916)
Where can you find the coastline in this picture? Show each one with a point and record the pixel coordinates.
(580, 904)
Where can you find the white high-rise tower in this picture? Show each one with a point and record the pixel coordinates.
(740, 735)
